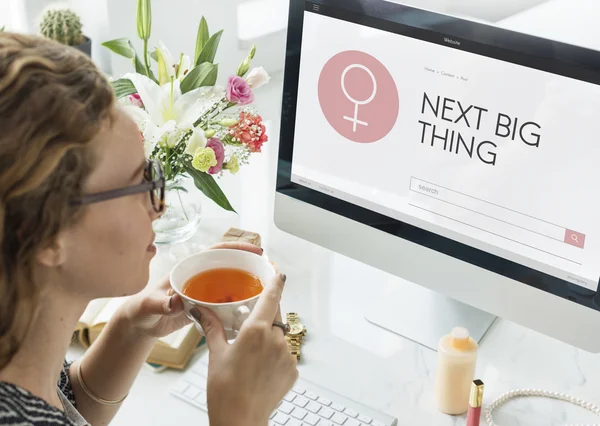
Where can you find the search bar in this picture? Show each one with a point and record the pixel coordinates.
(496, 219)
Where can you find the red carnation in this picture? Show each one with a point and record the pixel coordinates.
(250, 131)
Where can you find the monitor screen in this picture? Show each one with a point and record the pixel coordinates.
(475, 141)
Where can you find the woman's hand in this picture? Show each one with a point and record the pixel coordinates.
(157, 311)
(248, 378)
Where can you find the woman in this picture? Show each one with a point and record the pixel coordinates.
(63, 141)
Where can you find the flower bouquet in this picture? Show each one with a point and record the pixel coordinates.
(194, 127)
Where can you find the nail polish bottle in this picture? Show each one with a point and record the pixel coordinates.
(457, 357)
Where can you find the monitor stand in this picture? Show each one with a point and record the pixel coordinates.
(424, 316)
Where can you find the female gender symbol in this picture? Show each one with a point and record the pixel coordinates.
(356, 103)
(356, 71)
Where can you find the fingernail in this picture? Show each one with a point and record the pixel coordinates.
(195, 313)
(283, 277)
(171, 303)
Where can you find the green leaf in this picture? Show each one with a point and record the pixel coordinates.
(123, 87)
(210, 49)
(202, 75)
(201, 38)
(121, 46)
(207, 184)
(154, 55)
(124, 47)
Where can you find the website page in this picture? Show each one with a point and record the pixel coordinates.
(495, 155)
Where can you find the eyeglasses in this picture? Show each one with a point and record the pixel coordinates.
(154, 183)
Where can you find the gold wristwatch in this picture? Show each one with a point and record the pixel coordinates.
(296, 333)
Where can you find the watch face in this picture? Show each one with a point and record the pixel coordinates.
(296, 329)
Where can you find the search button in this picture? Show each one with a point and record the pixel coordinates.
(573, 238)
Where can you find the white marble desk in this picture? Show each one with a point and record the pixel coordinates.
(346, 353)
(350, 356)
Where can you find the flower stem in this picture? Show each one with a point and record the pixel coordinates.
(182, 208)
(146, 57)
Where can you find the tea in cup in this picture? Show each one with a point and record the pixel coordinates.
(229, 282)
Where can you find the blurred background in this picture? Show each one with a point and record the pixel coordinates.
(263, 22)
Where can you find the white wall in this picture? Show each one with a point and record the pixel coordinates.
(12, 15)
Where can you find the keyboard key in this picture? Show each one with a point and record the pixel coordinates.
(181, 387)
(339, 419)
(192, 392)
(313, 407)
(376, 423)
(299, 391)
(311, 395)
(285, 407)
(290, 397)
(326, 413)
(293, 422)
(201, 397)
(299, 413)
(350, 413)
(324, 401)
(273, 414)
(311, 419)
(300, 401)
(352, 422)
(324, 422)
(338, 407)
(281, 418)
(364, 419)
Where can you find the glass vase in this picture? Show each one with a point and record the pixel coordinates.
(182, 215)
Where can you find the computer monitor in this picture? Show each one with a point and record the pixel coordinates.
(456, 155)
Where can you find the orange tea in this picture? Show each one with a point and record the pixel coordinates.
(222, 285)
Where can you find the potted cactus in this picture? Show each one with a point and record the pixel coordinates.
(64, 26)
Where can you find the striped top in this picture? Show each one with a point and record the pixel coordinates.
(19, 407)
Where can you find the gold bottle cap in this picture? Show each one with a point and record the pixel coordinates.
(476, 397)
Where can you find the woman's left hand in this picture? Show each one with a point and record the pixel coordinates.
(156, 311)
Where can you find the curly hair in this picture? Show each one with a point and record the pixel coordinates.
(53, 101)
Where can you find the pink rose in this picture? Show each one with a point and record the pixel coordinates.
(216, 145)
(239, 91)
(136, 100)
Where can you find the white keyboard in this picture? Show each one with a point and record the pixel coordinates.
(307, 404)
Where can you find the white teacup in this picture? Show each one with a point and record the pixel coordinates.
(232, 314)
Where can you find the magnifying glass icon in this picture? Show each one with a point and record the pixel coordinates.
(357, 103)
(575, 238)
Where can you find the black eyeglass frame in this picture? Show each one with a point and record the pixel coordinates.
(149, 186)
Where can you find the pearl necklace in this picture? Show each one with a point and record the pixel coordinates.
(537, 392)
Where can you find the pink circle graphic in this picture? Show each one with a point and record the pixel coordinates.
(358, 96)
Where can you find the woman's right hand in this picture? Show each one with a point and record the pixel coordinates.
(248, 378)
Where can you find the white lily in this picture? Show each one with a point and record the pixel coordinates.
(183, 66)
(197, 140)
(168, 68)
(167, 110)
(166, 64)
